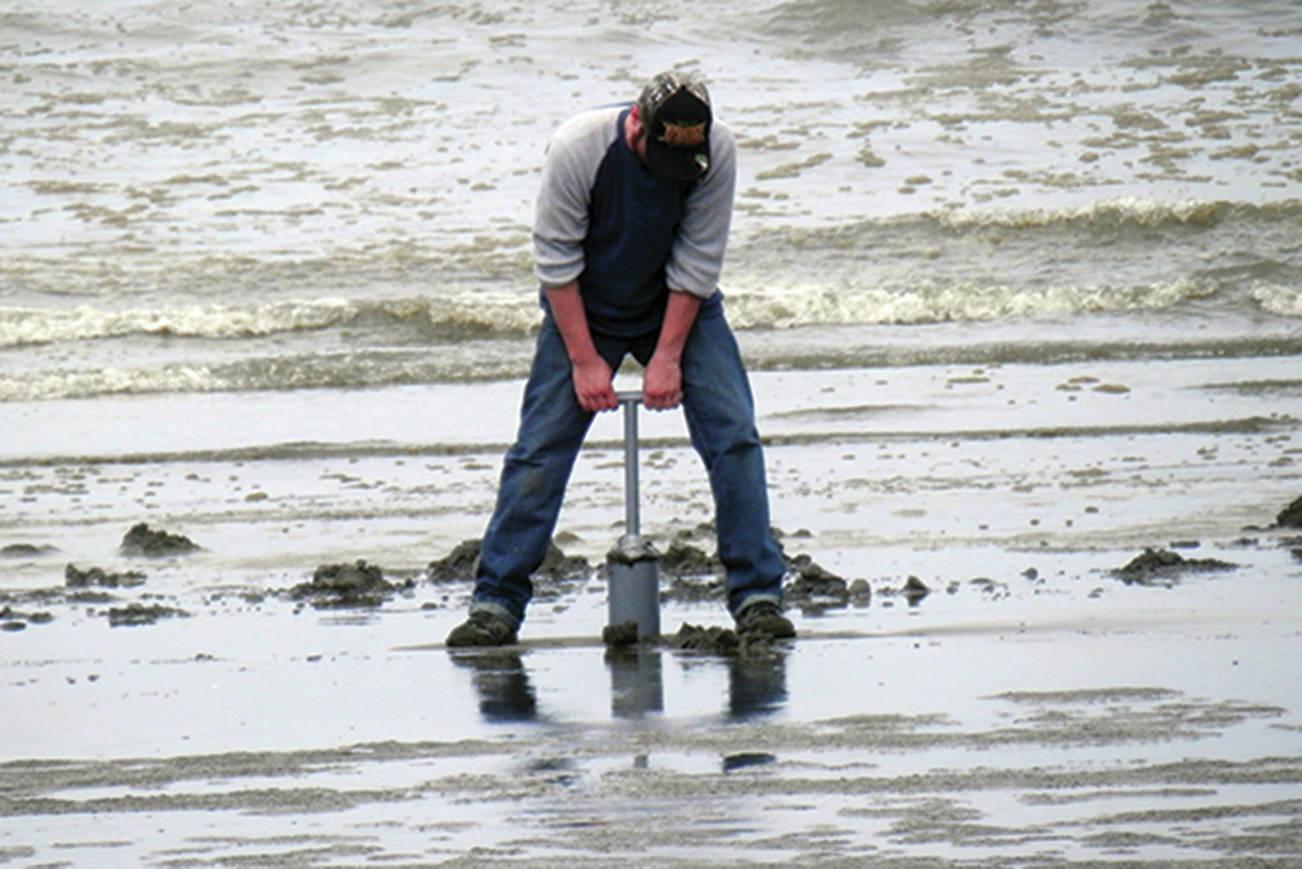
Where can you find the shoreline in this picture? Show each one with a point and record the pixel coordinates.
(1034, 709)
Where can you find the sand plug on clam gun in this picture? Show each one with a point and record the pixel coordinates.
(633, 564)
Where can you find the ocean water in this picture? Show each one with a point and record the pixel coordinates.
(1020, 286)
(246, 197)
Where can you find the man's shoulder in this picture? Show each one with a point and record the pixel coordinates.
(594, 128)
(722, 141)
(721, 132)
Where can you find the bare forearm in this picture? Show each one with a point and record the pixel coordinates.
(662, 384)
(680, 314)
(567, 310)
(590, 373)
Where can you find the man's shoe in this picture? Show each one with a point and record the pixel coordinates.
(764, 618)
(481, 629)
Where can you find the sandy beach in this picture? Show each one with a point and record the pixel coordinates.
(1035, 707)
(1019, 286)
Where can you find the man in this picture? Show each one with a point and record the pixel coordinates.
(629, 234)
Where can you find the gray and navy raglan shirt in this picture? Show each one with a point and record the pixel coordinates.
(626, 235)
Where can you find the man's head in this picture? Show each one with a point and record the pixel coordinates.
(674, 110)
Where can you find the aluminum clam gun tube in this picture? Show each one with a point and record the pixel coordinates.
(633, 565)
(632, 510)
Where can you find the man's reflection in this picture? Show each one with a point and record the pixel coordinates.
(757, 681)
(502, 683)
(757, 685)
(636, 682)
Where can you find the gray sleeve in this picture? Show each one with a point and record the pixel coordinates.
(561, 210)
(696, 260)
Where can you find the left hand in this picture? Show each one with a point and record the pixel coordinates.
(662, 383)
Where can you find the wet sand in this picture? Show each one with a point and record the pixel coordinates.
(1035, 708)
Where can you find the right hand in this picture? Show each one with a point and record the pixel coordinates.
(593, 387)
(662, 383)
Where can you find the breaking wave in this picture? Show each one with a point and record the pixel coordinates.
(516, 315)
(952, 302)
(467, 316)
(1279, 300)
(1129, 211)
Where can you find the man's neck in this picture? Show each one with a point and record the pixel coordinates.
(633, 136)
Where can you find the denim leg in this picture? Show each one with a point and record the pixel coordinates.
(534, 475)
(720, 415)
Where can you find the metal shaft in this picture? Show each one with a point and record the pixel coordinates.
(632, 518)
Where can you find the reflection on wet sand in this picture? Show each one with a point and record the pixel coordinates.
(756, 686)
(636, 681)
(502, 683)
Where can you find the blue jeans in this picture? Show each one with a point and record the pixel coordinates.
(720, 416)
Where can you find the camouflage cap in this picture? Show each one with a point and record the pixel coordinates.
(675, 112)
